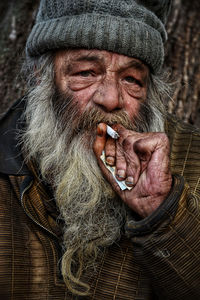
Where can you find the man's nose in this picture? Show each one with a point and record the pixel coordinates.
(108, 96)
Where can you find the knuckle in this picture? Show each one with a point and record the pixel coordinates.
(162, 136)
(127, 141)
(163, 139)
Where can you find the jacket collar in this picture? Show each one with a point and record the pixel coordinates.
(11, 159)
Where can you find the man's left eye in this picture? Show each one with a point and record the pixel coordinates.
(131, 79)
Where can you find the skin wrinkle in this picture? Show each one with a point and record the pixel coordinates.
(108, 61)
(159, 187)
(67, 65)
(90, 57)
(62, 147)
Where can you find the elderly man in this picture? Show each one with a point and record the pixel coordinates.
(86, 214)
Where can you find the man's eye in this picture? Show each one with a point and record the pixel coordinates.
(85, 73)
(131, 79)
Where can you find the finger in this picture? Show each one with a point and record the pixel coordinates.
(100, 140)
(143, 152)
(121, 166)
(157, 145)
(152, 142)
(110, 151)
(133, 169)
(98, 147)
(122, 131)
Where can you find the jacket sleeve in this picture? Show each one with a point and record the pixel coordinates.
(167, 244)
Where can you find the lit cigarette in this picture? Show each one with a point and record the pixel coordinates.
(111, 132)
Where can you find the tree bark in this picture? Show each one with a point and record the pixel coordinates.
(182, 54)
(16, 20)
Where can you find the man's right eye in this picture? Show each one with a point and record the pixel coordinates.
(85, 73)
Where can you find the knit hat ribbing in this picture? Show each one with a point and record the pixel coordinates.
(133, 28)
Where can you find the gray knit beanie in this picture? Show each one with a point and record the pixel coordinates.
(133, 28)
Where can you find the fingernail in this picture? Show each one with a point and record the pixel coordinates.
(121, 173)
(129, 180)
(99, 131)
(110, 160)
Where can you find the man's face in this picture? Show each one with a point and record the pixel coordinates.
(100, 79)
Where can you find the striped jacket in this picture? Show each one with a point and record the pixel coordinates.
(157, 258)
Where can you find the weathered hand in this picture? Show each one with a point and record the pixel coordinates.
(142, 160)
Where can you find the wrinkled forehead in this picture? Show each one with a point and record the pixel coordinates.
(107, 58)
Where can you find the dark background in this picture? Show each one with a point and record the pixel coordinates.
(182, 54)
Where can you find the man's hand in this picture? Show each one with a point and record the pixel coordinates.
(142, 160)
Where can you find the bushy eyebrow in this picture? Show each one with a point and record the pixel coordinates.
(90, 58)
(136, 65)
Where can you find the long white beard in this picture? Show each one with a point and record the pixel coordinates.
(92, 213)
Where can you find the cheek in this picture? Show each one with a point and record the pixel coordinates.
(132, 102)
(82, 98)
(132, 107)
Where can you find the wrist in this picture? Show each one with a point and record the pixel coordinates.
(167, 209)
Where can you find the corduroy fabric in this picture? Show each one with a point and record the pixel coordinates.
(30, 251)
(132, 28)
(163, 264)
